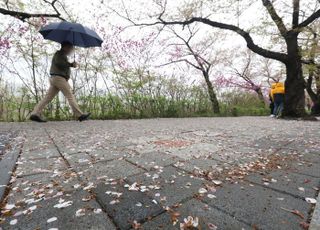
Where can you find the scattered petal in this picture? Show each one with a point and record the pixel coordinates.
(13, 222)
(9, 206)
(311, 200)
(211, 196)
(52, 219)
(63, 205)
(80, 212)
(97, 210)
(202, 190)
(217, 182)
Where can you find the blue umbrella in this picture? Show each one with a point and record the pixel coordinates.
(75, 33)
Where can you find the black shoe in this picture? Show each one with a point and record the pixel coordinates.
(84, 117)
(37, 118)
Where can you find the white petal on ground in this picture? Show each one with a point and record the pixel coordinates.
(18, 214)
(90, 186)
(97, 210)
(203, 190)
(217, 182)
(76, 186)
(9, 206)
(311, 200)
(80, 212)
(211, 196)
(114, 202)
(52, 219)
(13, 222)
(133, 187)
(63, 205)
(33, 208)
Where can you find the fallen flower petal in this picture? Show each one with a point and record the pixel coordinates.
(211, 196)
(13, 222)
(80, 212)
(63, 205)
(52, 219)
(97, 210)
(202, 190)
(217, 182)
(311, 200)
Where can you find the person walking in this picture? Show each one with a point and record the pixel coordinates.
(278, 95)
(59, 75)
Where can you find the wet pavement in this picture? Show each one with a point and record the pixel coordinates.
(196, 173)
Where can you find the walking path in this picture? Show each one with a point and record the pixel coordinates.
(197, 173)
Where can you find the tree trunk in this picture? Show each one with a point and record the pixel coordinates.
(212, 94)
(315, 96)
(294, 105)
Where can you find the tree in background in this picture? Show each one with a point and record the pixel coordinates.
(121, 80)
(288, 30)
(313, 69)
(245, 70)
(200, 55)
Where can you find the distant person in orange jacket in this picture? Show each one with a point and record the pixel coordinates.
(278, 94)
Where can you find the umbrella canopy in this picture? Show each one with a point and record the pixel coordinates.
(75, 33)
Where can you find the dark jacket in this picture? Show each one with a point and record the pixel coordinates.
(60, 65)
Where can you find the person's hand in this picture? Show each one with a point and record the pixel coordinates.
(75, 65)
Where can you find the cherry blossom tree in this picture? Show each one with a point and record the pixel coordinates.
(247, 71)
(289, 27)
(200, 55)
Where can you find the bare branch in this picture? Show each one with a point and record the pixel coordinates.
(309, 20)
(23, 16)
(179, 61)
(275, 17)
(282, 57)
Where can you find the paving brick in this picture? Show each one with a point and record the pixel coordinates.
(208, 218)
(115, 169)
(109, 154)
(206, 165)
(29, 167)
(296, 184)
(40, 154)
(260, 207)
(130, 206)
(66, 217)
(170, 186)
(153, 159)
